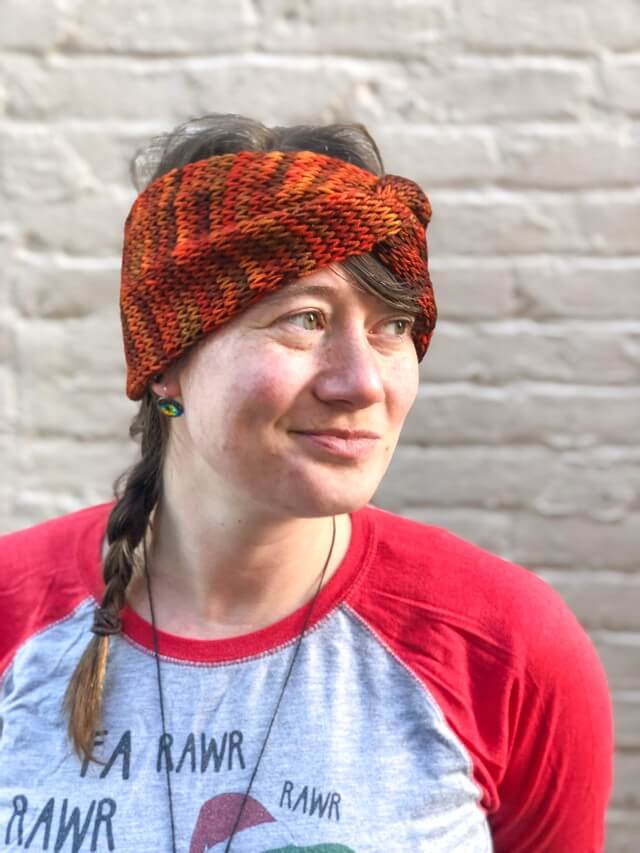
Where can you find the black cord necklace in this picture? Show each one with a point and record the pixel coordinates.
(287, 676)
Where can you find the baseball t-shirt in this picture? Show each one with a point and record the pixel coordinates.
(442, 699)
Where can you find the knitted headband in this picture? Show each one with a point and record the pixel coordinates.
(208, 239)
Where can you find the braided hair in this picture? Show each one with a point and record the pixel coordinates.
(138, 490)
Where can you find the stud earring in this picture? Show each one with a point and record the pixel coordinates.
(169, 406)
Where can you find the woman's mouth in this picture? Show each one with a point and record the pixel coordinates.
(343, 444)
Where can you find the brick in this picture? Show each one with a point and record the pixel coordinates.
(39, 165)
(8, 244)
(405, 29)
(29, 508)
(557, 416)
(623, 831)
(58, 86)
(611, 221)
(161, 27)
(537, 288)
(575, 26)
(8, 395)
(601, 484)
(8, 449)
(438, 156)
(7, 367)
(171, 91)
(626, 775)
(516, 350)
(473, 289)
(87, 414)
(4, 92)
(44, 467)
(488, 530)
(615, 26)
(626, 708)
(71, 380)
(620, 655)
(602, 289)
(463, 91)
(107, 151)
(553, 542)
(574, 157)
(83, 352)
(424, 477)
(9, 419)
(501, 223)
(325, 88)
(7, 337)
(478, 90)
(55, 286)
(8, 232)
(621, 84)
(537, 542)
(605, 600)
(90, 223)
(37, 25)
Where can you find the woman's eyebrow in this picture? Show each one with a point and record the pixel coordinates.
(291, 290)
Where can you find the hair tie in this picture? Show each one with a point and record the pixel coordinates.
(105, 622)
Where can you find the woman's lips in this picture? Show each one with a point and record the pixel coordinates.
(356, 445)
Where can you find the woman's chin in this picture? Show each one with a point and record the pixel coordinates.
(323, 501)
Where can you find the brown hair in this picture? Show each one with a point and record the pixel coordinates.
(138, 490)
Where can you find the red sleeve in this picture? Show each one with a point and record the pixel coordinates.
(514, 674)
(40, 578)
(555, 789)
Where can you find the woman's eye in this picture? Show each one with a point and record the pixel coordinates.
(313, 321)
(400, 326)
(310, 321)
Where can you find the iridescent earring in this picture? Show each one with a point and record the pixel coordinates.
(169, 406)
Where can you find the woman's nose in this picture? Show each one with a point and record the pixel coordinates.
(350, 371)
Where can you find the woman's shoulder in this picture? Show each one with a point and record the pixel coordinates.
(45, 573)
(506, 661)
(426, 580)
(51, 546)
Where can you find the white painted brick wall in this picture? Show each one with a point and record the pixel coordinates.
(520, 118)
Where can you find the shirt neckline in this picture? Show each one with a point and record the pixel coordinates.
(354, 563)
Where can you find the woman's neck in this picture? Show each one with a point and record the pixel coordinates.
(214, 580)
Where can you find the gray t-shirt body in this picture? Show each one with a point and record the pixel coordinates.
(439, 697)
(359, 755)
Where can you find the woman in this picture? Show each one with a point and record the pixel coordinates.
(275, 664)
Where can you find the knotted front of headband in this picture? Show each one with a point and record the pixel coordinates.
(205, 241)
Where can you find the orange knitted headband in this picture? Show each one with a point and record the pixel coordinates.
(208, 239)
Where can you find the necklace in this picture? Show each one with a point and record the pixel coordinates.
(285, 681)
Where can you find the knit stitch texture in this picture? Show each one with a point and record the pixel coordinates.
(205, 241)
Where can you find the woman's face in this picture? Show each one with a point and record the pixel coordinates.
(297, 404)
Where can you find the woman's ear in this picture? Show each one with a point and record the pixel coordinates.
(165, 384)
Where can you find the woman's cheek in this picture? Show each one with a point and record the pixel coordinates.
(405, 383)
(272, 388)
